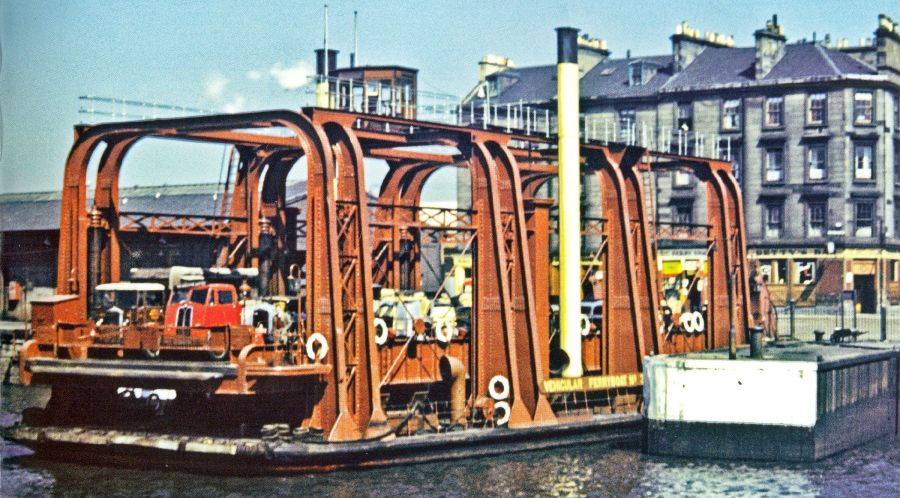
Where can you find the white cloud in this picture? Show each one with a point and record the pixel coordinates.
(291, 77)
(215, 87)
(235, 105)
(254, 74)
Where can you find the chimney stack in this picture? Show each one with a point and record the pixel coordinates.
(492, 64)
(591, 51)
(687, 43)
(769, 47)
(887, 43)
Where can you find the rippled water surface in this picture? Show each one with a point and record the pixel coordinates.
(873, 470)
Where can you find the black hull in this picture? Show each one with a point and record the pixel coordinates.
(254, 456)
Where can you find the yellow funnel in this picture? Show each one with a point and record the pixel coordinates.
(569, 200)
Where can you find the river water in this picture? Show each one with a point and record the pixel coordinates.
(873, 470)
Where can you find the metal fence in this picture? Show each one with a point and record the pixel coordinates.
(802, 322)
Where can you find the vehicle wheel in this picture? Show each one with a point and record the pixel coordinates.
(219, 356)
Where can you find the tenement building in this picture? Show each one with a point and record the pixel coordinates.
(811, 128)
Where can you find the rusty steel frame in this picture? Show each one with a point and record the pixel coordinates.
(347, 252)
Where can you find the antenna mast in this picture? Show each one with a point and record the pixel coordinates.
(354, 58)
(325, 39)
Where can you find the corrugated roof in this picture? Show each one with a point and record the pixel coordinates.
(18, 216)
(40, 210)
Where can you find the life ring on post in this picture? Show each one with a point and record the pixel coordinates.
(498, 387)
(312, 352)
(687, 322)
(699, 323)
(381, 332)
(585, 325)
(443, 332)
(502, 411)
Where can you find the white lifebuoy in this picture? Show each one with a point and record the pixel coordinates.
(699, 323)
(687, 322)
(316, 338)
(503, 391)
(502, 406)
(585, 325)
(381, 332)
(443, 332)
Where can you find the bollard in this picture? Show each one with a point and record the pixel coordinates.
(757, 341)
(883, 322)
(791, 305)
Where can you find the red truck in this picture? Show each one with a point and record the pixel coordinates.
(209, 305)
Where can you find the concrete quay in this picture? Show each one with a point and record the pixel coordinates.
(800, 402)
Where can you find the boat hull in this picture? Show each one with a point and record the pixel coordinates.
(254, 456)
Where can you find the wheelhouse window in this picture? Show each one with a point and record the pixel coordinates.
(731, 114)
(862, 161)
(863, 105)
(817, 162)
(816, 108)
(815, 226)
(774, 112)
(774, 221)
(774, 165)
(865, 218)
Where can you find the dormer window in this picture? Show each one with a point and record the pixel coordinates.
(493, 87)
(636, 73)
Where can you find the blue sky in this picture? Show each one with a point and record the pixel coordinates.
(231, 55)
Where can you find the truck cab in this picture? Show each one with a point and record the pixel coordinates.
(206, 305)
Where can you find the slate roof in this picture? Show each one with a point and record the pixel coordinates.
(40, 210)
(532, 84)
(717, 66)
(713, 67)
(610, 78)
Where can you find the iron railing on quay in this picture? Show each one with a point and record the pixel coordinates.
(827, 316)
